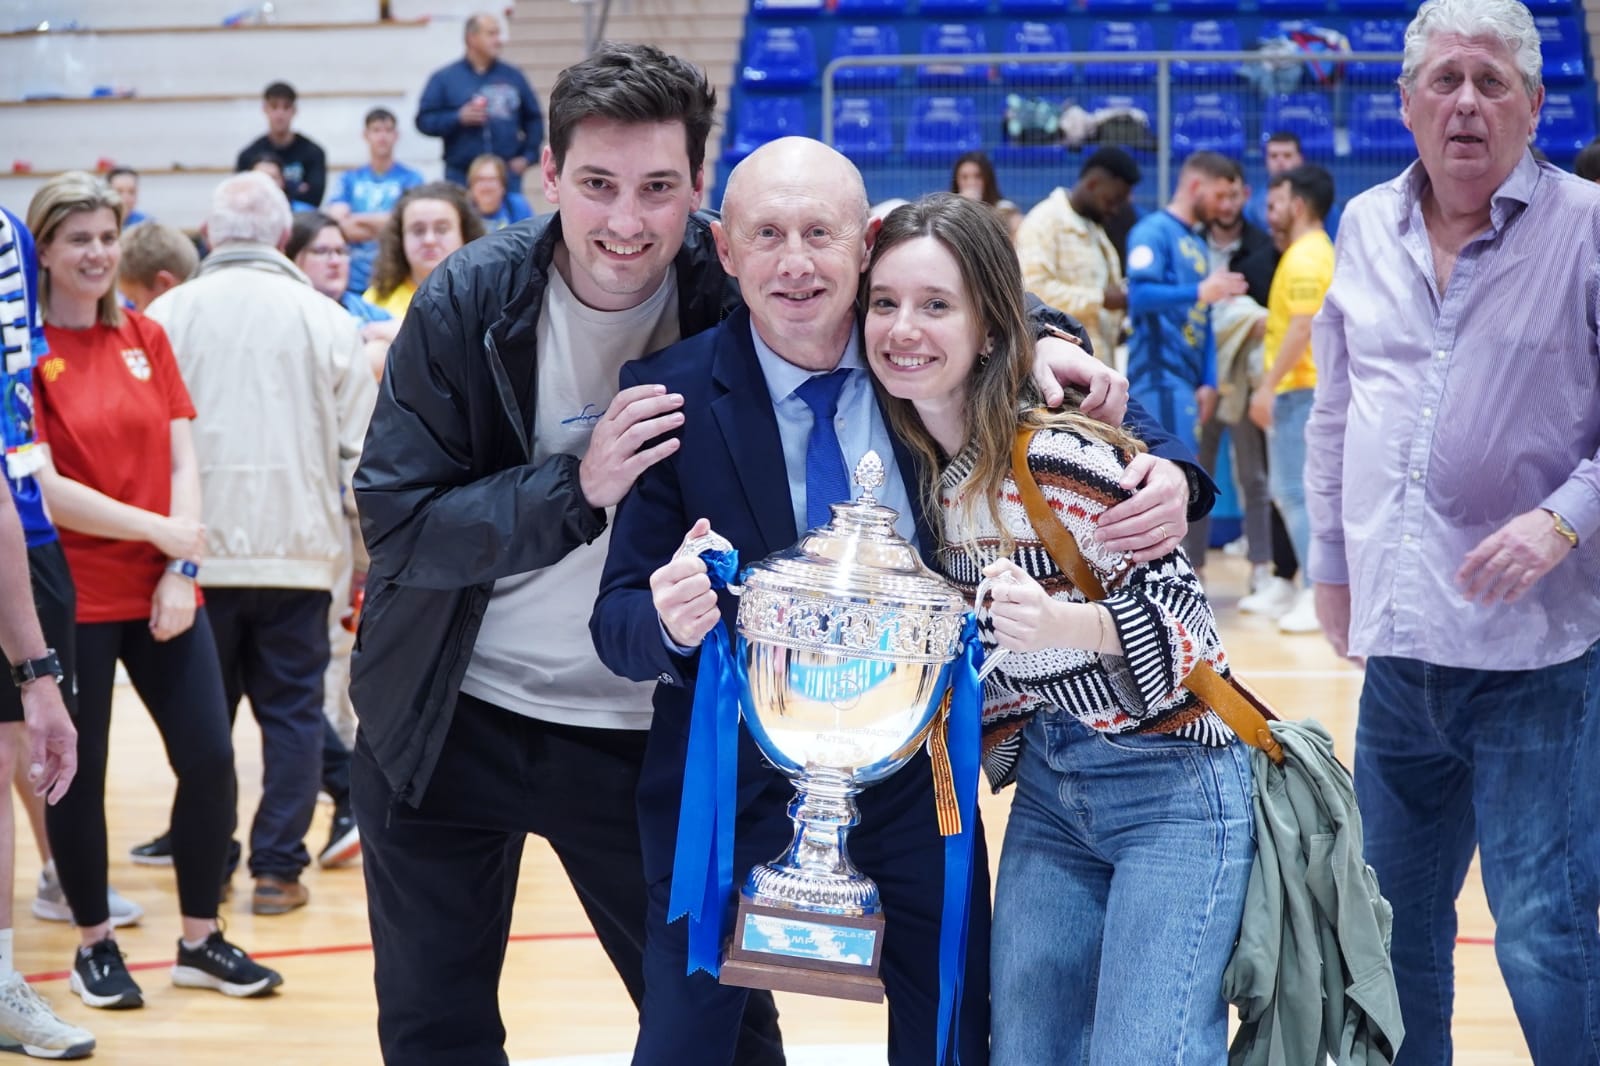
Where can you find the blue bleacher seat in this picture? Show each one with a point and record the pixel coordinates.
(861, 128)
(1120, 36)
(1023, 38)
(1306, 115)
(1049, 156)
(953, 39)
(1206, 35)
(1119, 8)
(868, 40)
(1391, 8)
(1186, 8)
(959, 9)
(779, 57)
(1566, 124)
(788, 9)
(1375, 35)
(1551, 7)
(1047, 8)
(1562, 44)
(1375, 126)
(942, 128)
(1207, 122)
(1292, 8)
(872, 9)
(759, 119)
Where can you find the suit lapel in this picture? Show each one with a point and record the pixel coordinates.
(911, 479)
(743, 410)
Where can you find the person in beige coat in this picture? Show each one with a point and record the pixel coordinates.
(283, 396)
(1067, 259)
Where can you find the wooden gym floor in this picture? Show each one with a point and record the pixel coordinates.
(559, 996)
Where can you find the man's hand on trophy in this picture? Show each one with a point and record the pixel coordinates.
(621, 449)
(1059, 361)
(682, 594)
(1152, 522)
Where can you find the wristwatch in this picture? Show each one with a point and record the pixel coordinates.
(186, 567)
(1563, 526)
(47, 665)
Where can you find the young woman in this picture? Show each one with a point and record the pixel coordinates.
(427, 224)
(973, 177)
(318, 246)
(489, 185)
(123, 487)
(1128, 851)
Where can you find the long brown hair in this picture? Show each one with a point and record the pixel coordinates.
(1002, 397)
(391, 269)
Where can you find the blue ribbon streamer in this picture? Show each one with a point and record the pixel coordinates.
(702, 866)
(966, 710)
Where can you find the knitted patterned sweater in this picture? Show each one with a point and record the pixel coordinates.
(1160, 611)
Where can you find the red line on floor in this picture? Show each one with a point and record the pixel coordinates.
(517, 938)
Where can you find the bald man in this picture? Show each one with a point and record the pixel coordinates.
(795, 234)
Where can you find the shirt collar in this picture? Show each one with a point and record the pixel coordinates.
(783, 377)
(1515, 193)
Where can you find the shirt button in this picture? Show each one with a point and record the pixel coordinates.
(1427, 412)
(1416, 475)
(1440, 355)
(1405, 538)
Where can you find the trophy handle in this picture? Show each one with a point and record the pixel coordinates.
(994, 657)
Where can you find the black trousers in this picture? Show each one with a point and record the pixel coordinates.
(56, 602)
(442, 878)
(273, 647)
(180, 685)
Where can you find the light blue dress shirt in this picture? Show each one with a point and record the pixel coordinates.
(859, 424)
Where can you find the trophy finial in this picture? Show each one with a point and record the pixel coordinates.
(869, 473)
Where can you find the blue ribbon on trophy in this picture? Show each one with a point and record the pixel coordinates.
(964, 678)
(702, 866)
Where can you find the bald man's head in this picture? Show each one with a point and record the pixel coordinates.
(794, 232)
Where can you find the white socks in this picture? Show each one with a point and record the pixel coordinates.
(7, 958)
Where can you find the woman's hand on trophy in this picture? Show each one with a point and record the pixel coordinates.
(682, 594)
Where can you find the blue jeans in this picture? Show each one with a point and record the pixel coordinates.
(1121, 887)
(1506, 760)
(1286, 468)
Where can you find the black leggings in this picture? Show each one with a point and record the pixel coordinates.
(181, 686)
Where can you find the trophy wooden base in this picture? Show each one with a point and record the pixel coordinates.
(807, 952)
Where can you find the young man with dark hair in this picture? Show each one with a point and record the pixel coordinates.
(305, 166)
(124, 181)
(1067, 258)
(480, 105)
(364, 197)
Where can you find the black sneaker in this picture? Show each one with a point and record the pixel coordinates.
(344, 839)
(219, 965)
(157, 852)
(100, 978)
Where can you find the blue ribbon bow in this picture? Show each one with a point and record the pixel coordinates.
(702, 865)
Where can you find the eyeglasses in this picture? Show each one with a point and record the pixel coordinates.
(323, 251)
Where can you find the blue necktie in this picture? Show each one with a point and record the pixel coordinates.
(826, 480)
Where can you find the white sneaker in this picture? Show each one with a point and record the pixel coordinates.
(29, 1026)
(50, 903)
(1270, 595)
(1302, 617)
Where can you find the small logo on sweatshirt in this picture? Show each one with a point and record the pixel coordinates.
(138, 363)
(587, 417)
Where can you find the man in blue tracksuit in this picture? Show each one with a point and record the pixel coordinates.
(481, 106)
(1172, 356)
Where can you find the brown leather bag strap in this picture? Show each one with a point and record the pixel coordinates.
(1243, 711)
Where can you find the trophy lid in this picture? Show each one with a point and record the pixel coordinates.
(854, 586)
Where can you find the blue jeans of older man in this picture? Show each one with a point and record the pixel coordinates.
(1121, 887)
(1507, 762)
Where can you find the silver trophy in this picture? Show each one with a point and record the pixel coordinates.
(842, 638)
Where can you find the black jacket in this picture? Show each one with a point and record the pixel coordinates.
(1257, 260)
(448, 497)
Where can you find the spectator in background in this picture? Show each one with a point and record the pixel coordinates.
(284, 394)
(270, 163)
(1283, 154)
(1010, 216)
(973, 177)
(36, 628)
(1587, 163)
(304, 166)
(155, 257)
(1172, 358)
(488, 183)
(124, 181)
(428, 223)
(479, 104)
(1067, 259)
(1453, 480)
(364, 197)
(123, 487)
(1297, 202)
(317, 246)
